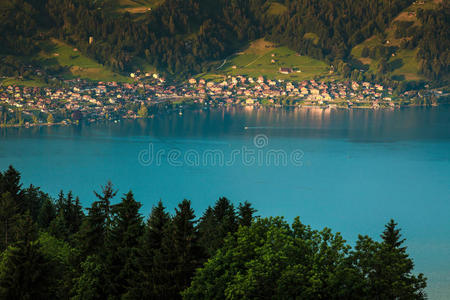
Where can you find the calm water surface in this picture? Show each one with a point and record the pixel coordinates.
(359, 168)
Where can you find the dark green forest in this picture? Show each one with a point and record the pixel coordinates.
(182, 37)
(56, 249)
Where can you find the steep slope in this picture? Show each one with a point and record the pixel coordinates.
(399, 51)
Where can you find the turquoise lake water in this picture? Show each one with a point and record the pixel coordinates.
(351, 170)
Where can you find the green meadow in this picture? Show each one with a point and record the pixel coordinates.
(262, 58)
(75, 63)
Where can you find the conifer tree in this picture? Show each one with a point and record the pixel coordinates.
(122, 243)
(156, 226)
(77, 215)
(47, 214)
(68, 212)
(61, 226)
(207, 228)
(25, 273)
(10, 182)
(91, 241)
(67, 206)
(92, 235)
(58, 227)
(181, 252)
(391, 236)
(8, 217)
(73, 213)
(225, 216)
(395, 279)
(385, 269)
(245, 214)
(216, 224)
(59, 204)
(149, 256)
(108, 193)
(32, 199)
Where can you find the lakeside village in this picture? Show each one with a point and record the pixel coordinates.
(150, 94)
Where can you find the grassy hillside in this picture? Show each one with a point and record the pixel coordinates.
(71, 63)
(75, 63)
(403, 62)
(264, 58)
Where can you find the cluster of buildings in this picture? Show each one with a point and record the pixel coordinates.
(308, 92)
(84, 99)
(112, 100)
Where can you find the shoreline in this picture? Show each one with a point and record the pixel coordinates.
(191, 106)
(98, 101)
(33, 125)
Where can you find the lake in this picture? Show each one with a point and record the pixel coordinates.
(351, 170)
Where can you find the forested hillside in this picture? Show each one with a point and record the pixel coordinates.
(186, 37)
(54, 249)
(413, 47)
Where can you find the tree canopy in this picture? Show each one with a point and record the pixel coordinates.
(113, 253)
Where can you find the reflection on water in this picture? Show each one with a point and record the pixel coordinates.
(357, 125)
